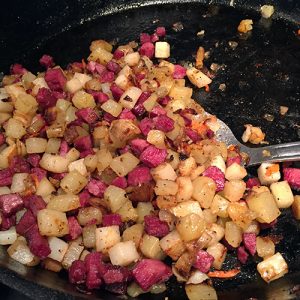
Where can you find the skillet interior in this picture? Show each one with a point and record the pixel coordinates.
(260, 75)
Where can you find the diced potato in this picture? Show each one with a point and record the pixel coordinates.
(166, 202)
(84, 254)
(162, 50)
(184, 264)
(124, 163)
(86, 214)
(150, 102)
(72, 155)
(14, 128)
(235, 172)
(200, 291)
(18, 182)
(91, 162)
(4, 190)
(264, 205)
(144, 209)
(8, 237)
(64, 203)
(296, 207)
(73, 253)
(233, 234)
(150, 247)
(181, 94)
(282, 194)
(79, 166)
(185, 208)
(130, 97)
(107, 237)
(156, 138)
(240, 214)
(36, 145)
(173, 158)
(204, 190)
(185, 189)
(52, 222)
(172, 245)
(89, 236)
(133, 233)
(104, 159)
(52, 265)
(245, 26)
(253, 228)
(264, 246)
(165, 187)
(132, 59)
(112, 107)
(218, 251)
(101, 44)
(234, 190)
(123, 253)
(44, 188)
(54, 163)
(101, 55)
(73, 182)
(216, 232)
(208, 216)
(58, 248)
(272, 268)
(190, 227)
(268, 173)
(53, 146)
(115, 197)
(198, 78)
(128, 212)
(20, 252)
(186, 166)
(267, 11)
(219, 206)
(197, 172)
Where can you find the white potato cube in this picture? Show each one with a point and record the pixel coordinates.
(130, 97)
(235, 172)
(219, 252)
(107, 237)
(150, 247)
(185, 188)
(164, 171)
(44, 188)
(266, 177)
(267, 11)
(165, 187)
(36, 145)
(123, 253)
(124, 163)
(58, 248)
(115, 197)
(162, 50)
(272, 268)
(79, 166)
(8, 237)
(20, 252)
(18, 182)
(218, 161)
(73, 253)
(185, 208)
(296, 207)
(282, 194)
(198, 78)
(172, 245)
(132, 59)
(112, 107)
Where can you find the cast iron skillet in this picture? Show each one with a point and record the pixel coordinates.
(261, 74)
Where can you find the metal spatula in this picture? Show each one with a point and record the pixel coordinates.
(276, 153)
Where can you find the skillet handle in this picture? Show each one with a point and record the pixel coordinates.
(278, 153)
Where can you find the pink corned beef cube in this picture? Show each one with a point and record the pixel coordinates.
(108, 117)
(156, 111)
(87, 115)
(138, 176)
(147, 49)
(113, 67)
(163, 123)
(154, 38)
(5, 177)
(99, 97)
(236, 159)
(38, 173)
(7, 222)
(139, 108)
(87, 152)
(138, 146)
(93, 262)
(84, 197)
(268, 225)
(107, 76)
(118, 54)
(146, 125)
(55, 79)
(251, 182)
(46, 61)
(64, 148)
(83, 143)
(19, 165)
(126, 114)
(77, 272)
(179, 72)
(2, 139)
(120, 182)
(116, 91)
(10, 204)
(33, 159)
(210, 134)
(94, 67)
(249, 240)
(38, 244)
(36, 203)
(116, 274)
(139, 77)
(292, 176)
(124, 149)
(96, 187)
(75, 229)
(17, 69)
(192, 134)
(150, 271)
(154, 226)
(26, 221)
(45, 98)
(164, 100)
(111, 219)
(160, 31)
(217, 175)
(145, 38)
(242, 254)
(152, 156)
(203, 261)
